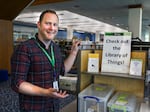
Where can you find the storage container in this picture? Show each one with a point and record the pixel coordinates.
(94, 98)
(68, 83)
(122, 102)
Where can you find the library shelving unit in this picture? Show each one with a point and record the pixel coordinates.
(121, 82)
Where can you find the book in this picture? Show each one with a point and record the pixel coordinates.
(93, 62)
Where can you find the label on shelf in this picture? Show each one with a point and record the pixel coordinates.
(136, 67)
(93, 62)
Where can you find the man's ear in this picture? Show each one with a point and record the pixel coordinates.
(38, 24)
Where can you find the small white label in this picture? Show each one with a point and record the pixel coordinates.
(90, 110)
(136, 67)
(55, 85)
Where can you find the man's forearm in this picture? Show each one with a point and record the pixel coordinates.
(30, 89)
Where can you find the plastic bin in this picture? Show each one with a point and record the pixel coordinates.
(94, 98)
(122, 102)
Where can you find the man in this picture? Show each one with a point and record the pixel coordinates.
(36, 65)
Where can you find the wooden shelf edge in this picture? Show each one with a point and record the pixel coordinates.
(114, 75)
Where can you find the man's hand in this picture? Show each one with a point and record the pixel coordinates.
(56, 94)
(75, 46)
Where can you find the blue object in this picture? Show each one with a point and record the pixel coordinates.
(3, 75)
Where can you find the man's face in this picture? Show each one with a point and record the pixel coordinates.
(48, 27)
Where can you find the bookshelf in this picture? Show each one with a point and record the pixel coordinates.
(121, 82)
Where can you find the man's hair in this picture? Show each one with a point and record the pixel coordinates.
(47, 11)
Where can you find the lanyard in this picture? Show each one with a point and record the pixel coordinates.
(51, 59)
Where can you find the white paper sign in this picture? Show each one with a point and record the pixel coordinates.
(93, 62)
(116, 52)
(136, 67)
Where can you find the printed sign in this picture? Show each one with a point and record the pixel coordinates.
(93, 62)
(116, 52)
(136, 67)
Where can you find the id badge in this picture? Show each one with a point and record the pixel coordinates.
(55, 85)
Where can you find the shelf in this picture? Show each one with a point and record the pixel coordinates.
(121, 81)
(123, 75)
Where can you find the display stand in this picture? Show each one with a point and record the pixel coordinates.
(121, 82)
